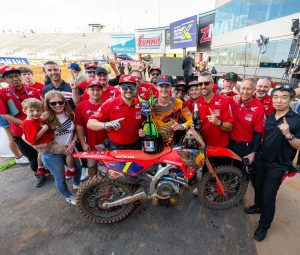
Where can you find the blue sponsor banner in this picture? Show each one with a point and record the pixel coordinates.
(183, 33)
(123, 44)
(16, 61)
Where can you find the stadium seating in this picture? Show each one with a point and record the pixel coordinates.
(56, 46)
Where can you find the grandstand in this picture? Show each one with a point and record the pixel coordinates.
(55, 46)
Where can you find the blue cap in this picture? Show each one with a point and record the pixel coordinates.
(74, 66)
(164, 79)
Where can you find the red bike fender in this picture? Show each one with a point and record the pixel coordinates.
(212, 151)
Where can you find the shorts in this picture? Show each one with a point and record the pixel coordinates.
(3, 123)
(54, 147)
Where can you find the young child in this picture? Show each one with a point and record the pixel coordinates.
(37, 133)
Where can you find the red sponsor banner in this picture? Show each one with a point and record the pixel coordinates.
(150, 42)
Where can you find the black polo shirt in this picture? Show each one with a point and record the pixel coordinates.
(275, 148)
(65, 89)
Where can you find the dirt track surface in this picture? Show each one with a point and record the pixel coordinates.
(39, 221)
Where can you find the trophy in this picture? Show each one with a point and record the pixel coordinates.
(152, 142)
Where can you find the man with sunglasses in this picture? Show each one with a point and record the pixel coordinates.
(273, 160)
(90, 69)
(121, 117)
(248, 125)
(215, 113)
(180, 90)
(11, 99)
(154, 73)
(89, 139)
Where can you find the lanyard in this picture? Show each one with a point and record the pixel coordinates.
(15, 95)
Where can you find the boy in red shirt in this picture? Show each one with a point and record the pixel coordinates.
(37, 133)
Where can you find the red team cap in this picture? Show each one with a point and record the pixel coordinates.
(127, 79)
(90, 65)
(94, 82)
(155, 68)
(8, 69)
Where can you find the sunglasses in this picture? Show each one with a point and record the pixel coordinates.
(90, 72)
(180, 89)
(55, 103)
(283, 87)
(205, 83)
(129, 87)
(155, 74)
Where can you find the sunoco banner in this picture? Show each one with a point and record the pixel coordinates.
(123, 43)
(183, 33)
(150, 41)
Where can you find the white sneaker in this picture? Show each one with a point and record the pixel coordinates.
(84, 174)
(67, 177)
(195, 192)
(75, 187)
(71, 200)
(22, 160)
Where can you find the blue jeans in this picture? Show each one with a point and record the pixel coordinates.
(55, 163)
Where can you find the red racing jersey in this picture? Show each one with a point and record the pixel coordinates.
(213, 135)
(248, 118)
(116, 108)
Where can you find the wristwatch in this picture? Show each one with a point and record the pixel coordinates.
(292, 137)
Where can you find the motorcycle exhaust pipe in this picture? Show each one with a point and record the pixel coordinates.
(125, 200)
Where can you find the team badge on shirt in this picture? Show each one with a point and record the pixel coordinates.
(248, 117)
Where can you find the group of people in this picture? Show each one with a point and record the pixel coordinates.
(48, 123)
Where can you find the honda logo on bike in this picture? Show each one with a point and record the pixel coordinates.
(124, 156)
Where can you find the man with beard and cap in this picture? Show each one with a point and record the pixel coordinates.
(229, 85)
(154, 73)
(121, 117)
(11, 99)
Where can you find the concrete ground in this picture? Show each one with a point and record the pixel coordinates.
(39, 221)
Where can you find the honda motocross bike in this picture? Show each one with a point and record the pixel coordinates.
(127, 177)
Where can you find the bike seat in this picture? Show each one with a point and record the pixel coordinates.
(138, 154)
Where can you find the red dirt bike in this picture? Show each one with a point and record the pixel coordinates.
(127, 177)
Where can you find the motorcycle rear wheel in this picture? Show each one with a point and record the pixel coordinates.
(235, 185)
(97, 190)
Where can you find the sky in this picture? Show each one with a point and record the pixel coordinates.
(116, 15)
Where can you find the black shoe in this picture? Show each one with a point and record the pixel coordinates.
(252, 209)
(260, 233)
(40, 180)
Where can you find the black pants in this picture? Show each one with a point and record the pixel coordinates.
(241, 149)
(266, 181)
(27, 151)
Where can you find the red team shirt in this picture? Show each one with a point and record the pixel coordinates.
(248, 118)
(190, 104)
(115, 109)
(32, 127)
(83, 111)
(267, 103)
(213, 134)
(6, 95)
(38, 86)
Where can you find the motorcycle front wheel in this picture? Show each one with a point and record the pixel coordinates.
(97, 190)
(235, 185)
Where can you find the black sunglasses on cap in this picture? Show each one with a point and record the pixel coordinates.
(91, 72)
(284, 87)
(156, 74)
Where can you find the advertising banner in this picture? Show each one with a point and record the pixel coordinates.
(183, 33)
(16, 61)
(205, 29)
(122, 43)
(150, 41)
